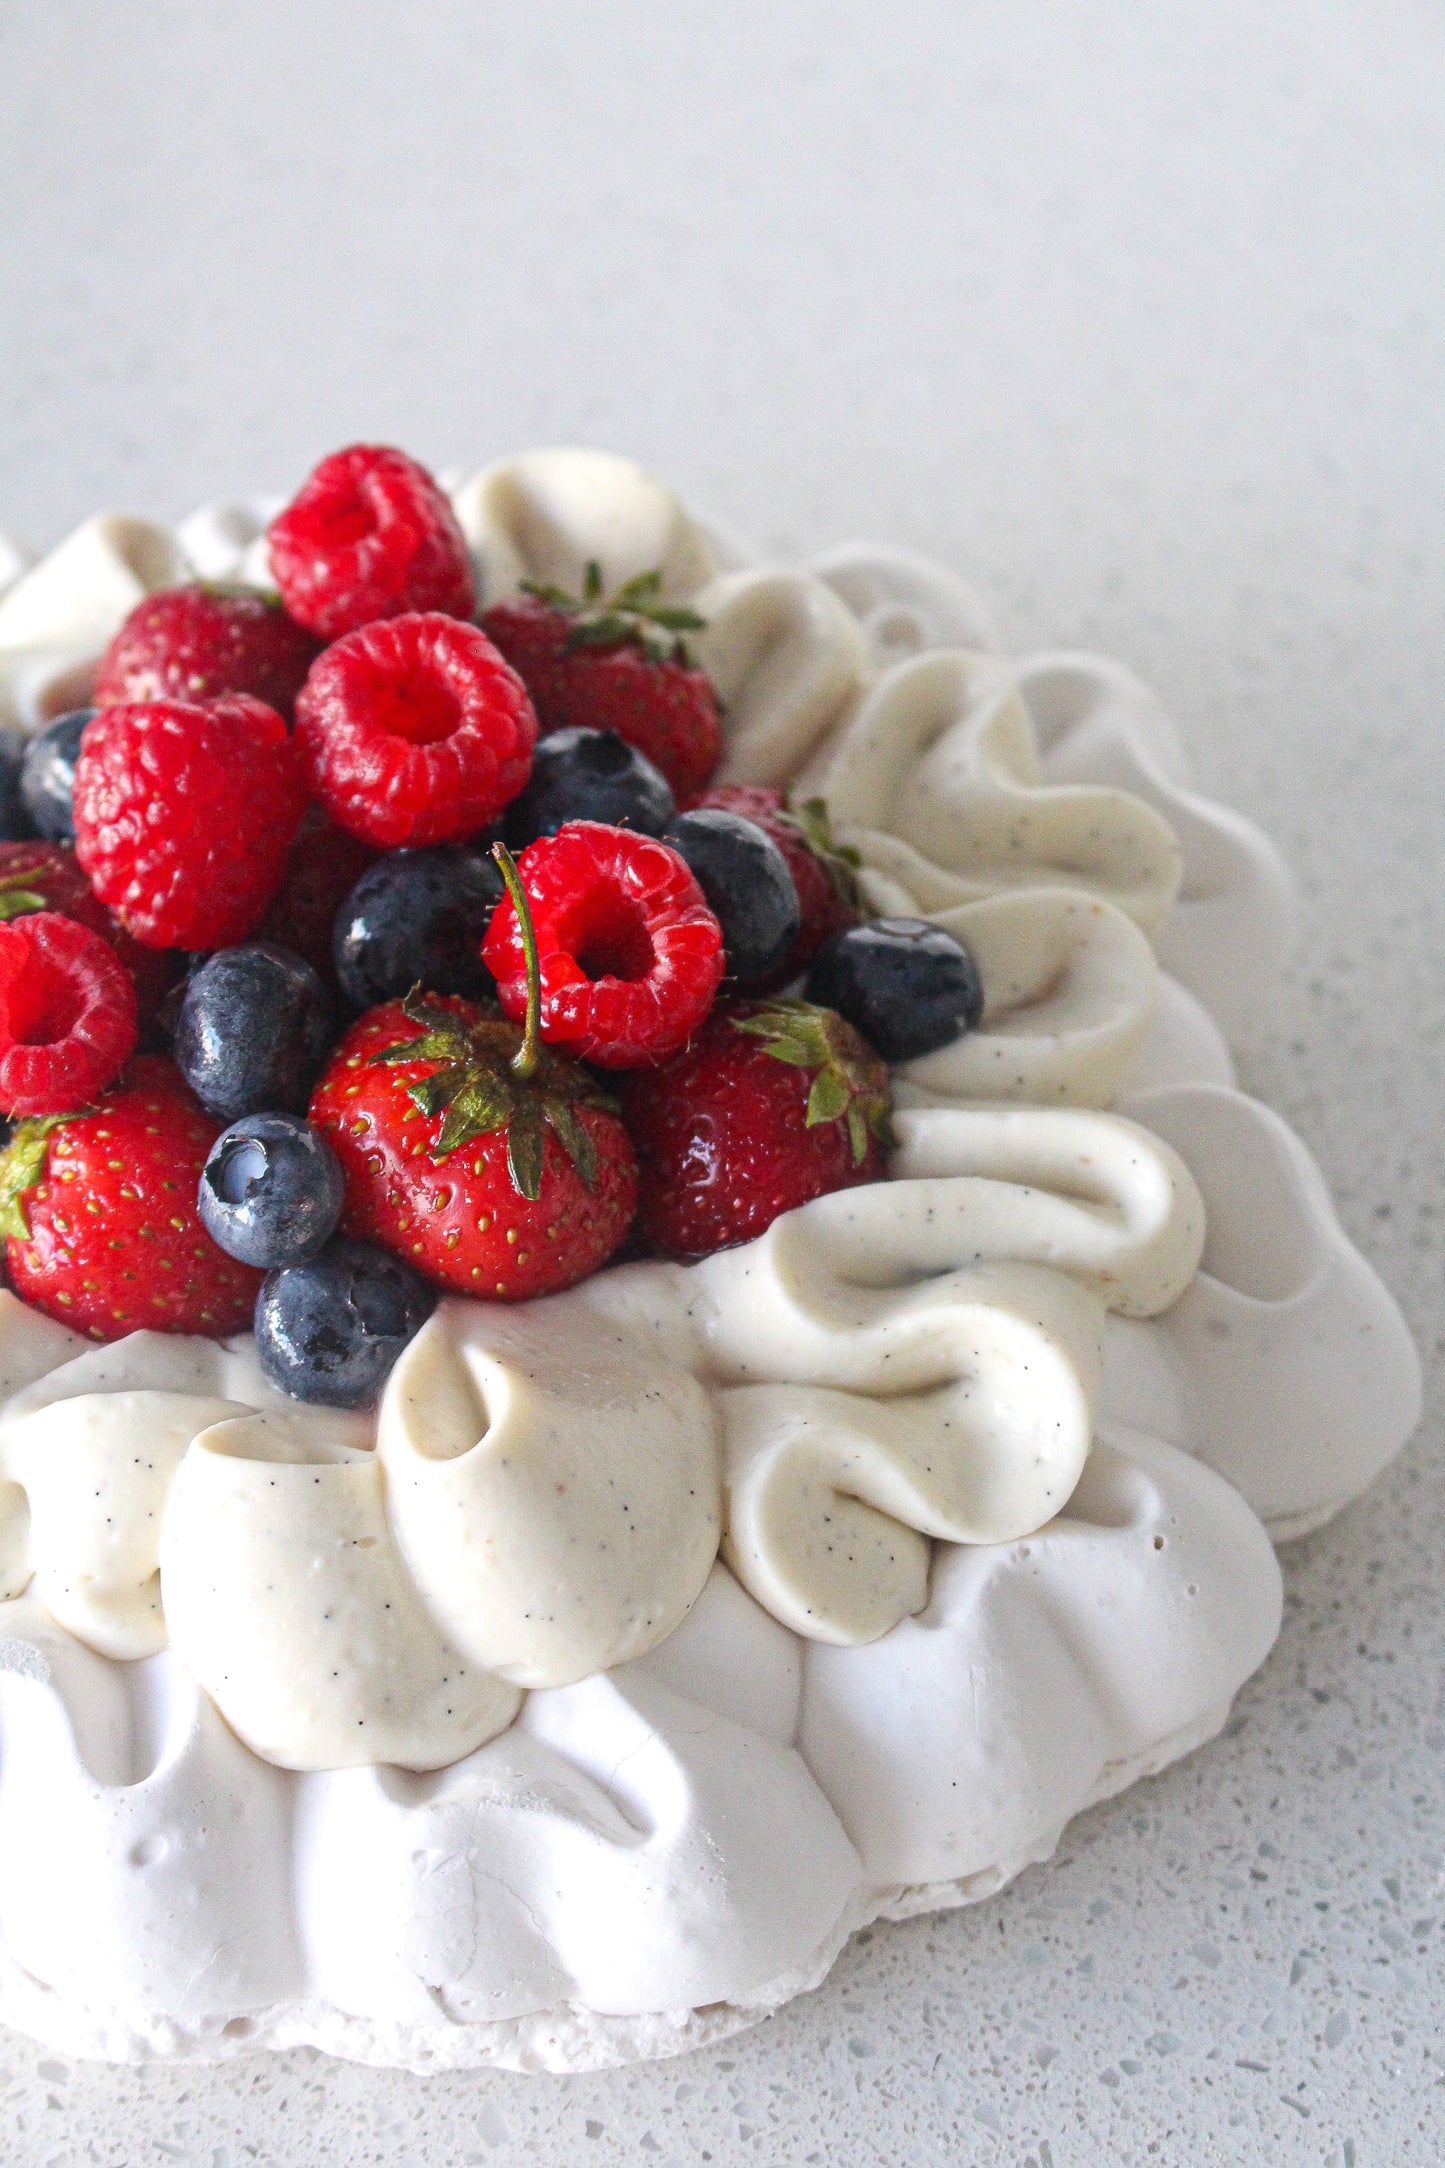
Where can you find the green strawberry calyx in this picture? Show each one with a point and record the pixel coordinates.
(842, 864)
(19, 894)
(849, 1081)
(635, 615)
(492, 1078)
(22, 1166)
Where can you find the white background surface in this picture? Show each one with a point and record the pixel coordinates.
(1135, 315)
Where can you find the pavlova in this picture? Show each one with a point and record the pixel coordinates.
(641, 1325)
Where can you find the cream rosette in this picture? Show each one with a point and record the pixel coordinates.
(936, 779)
(57, 617)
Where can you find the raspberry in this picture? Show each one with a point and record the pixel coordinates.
(196, 643)
(630, 954)
(595, 664)
(67, 1014)
(415, 731)
(184, 815)
(43, 876)
(369, 535)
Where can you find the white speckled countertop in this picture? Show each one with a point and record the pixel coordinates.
(1138, 319)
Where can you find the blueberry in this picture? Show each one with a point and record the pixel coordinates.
(748, 886)
(330, 1330)
(909, 987)
(253, 1030)
(588, 775)
(418, 917)
(47, 775)
(271, 1191)
(16, 826)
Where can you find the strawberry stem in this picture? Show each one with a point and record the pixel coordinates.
(529, 1053)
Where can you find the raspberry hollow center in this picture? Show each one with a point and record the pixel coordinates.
(341, 518)
(416, 706)
(41, 1004)
(611, 941)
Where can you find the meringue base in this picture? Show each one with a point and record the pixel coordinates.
(564, 2039)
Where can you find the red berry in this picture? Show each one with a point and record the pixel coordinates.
(430, 1157)
(99, 1211)
(48, 877)
(67, 1014)
(324, 865)
(643, 690)
(184, 815)
(415, 731)
(824, 874)
(369, 535)
(630, 954)
(195, 643)
(774, 1103)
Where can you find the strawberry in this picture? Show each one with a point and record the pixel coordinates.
(825, 873)
(201, 641)
(486, 1161)
(619, 663)
(774, 1103)
(99, 1213)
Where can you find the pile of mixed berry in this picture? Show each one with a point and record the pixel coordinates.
(446, 966)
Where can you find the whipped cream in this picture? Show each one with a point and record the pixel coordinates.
(553, 1484)
(936, 780)
(288, 1600)
(57, 618)
(545, 516)
(918, 1359)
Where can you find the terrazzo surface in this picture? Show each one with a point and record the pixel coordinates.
(1138, 321)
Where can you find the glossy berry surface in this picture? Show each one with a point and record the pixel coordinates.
(67, 1014)
(15, 821)
(417, 918)
(631, 957)
(253, 1030)
(100, 1215)
(588, 775)
(824, 874)
(440, 1146)
(184, 816)
(908, 986)
(47, 775)
(198, 642)
(773, 1104)
(415, 731)
(369, 535)
(748, 886)
(591, 666)
(271, 1191)
(330, 1330)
